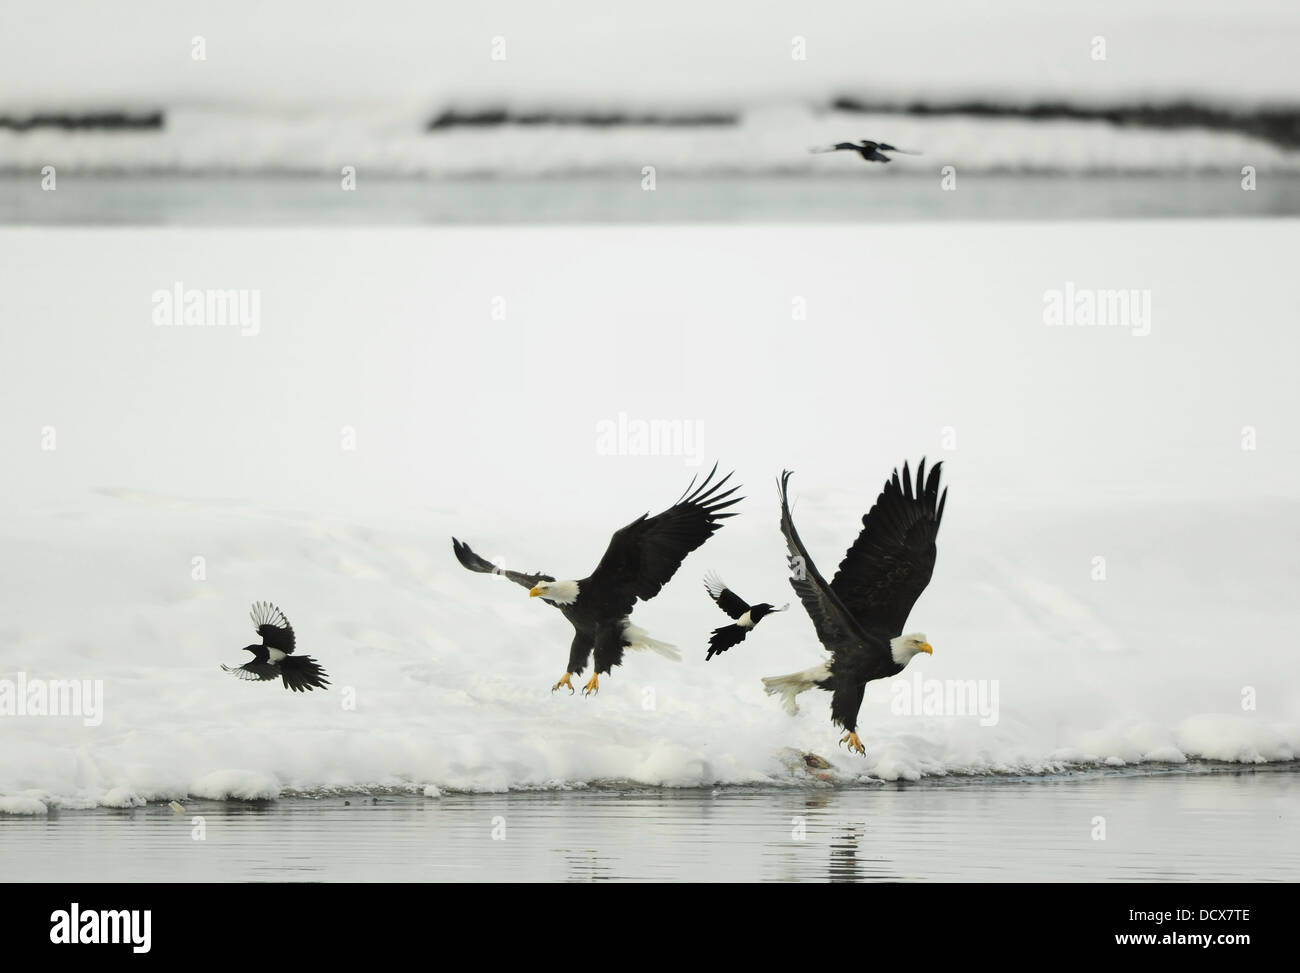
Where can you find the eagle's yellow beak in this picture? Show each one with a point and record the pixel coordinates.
(535, 591)
(926, 648)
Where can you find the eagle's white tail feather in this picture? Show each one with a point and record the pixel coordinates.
(639, 638)
(788, 687)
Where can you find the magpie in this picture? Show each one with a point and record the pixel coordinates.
(274, 657)
(746, 615)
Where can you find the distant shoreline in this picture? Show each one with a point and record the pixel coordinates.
(1279, 125)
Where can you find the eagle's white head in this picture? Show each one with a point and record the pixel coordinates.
(904, 647)
(560, 592)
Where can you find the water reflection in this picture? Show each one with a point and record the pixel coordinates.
(1187, 826)
(844, 858)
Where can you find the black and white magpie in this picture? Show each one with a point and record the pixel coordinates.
(274, 657)
(745, 614)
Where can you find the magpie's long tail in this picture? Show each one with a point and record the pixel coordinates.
(302, 673)
(724, 638)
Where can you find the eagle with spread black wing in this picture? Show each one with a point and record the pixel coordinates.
(745, 614)
(859, 616)
(274, 657)
(640, 560)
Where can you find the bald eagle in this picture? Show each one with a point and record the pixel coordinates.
(639, 561)
(274, 657)
(869, 150)
(859, 616)
(745, 614)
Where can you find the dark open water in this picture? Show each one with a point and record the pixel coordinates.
(1187, 825)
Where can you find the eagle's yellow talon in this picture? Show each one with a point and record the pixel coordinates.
(592, 687)
(851, 739)
(564, 681)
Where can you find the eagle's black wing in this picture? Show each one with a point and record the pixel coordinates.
(274, 628)
(838, 146)
(645, 554)
(834, 625)
(259, 671)
(890, 563)
(475, 563)
(727, 600)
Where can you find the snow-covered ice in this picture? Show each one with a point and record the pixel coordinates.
(766, 140)
(1061, 444)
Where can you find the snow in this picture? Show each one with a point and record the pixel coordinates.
(122, 797)
(177, 443)
(241, 785)
(22, 804)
